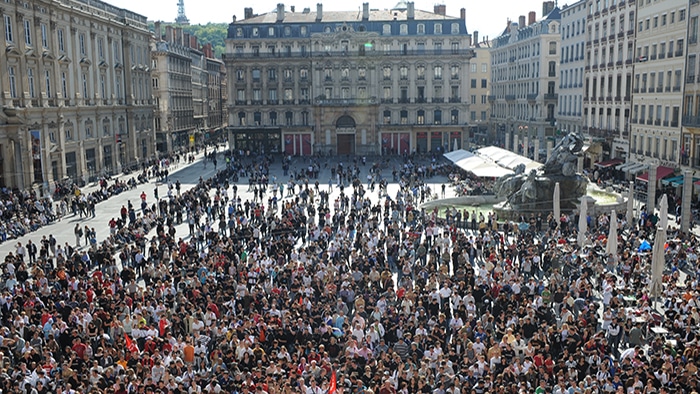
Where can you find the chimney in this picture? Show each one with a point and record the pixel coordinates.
(475, 36)
(169, 34)
(280, 12)
(186, 40)
(365, 11)
(463, 14)
(440, 9)
(521, 21)
(178, 36)
(319, 12)
(513, 28)
(247, 12)
(531, 17)
(291, 8)
(547, 7)
(410, 11)
(306, 10)
(159, 33)
(194, 44)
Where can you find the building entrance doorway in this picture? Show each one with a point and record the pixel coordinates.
(346, 144)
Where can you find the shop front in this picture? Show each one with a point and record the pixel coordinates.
(396, 143)
(298, 144)
(257, 140)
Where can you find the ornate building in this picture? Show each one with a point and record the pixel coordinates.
(525, 80)
(348, 82)
(610, 38)
(690, 151)
(573, 30)
(75, 91)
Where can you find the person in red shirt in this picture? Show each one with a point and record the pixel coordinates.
(79, 348)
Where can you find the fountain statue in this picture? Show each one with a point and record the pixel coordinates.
(533, 192)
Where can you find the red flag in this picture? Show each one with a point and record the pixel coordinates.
(332, 386)
(130, 345)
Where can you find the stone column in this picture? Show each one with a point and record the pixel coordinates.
(579, 165)
(514, 148)
(550, 146)
(685, 202)
(526, 146)
(651, 190)
(506, 140)
(537, 149)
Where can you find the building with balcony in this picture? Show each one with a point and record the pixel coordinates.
(525, 79)
(74, 90)
(368, 82)
(216, 119)
(690, 150)
(659, 78)
(479, 92)
(610, 39)
(573, 28)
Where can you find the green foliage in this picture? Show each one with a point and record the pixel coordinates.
(214, 33)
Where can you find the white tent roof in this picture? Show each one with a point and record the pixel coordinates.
(507, 158)
(481, 167)
(458, 155)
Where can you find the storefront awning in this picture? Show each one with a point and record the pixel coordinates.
(625, 166)
(608, 163)
(635, 168)
(671, 180)
(661, 172)
(681, 181)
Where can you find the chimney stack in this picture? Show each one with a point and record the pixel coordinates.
(440, 9)
(186, 40)
(547, 7)
(194, 44)
(280, 12)
(463, 14)
(319, 12)
(410, 10)
(169, 34)
(531, 17)
(291, 8)
(178, 36)
(521, 21)
(159, 33)
(247, 12)
(365, 11)
(475, 35)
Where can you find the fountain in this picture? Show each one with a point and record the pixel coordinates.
(532, 192)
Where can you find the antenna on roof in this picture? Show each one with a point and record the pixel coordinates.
(181, 18)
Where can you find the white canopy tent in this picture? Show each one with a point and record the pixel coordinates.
(507, 159)
(458, 155)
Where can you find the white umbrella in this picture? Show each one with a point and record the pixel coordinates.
(454, 146)
(582, 221)
(556, 198)
(612, 235)
(663, 212)
(630, 206)
(658, 262)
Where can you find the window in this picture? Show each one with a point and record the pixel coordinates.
(483, 67)
(288, 94)
(387, 93)
(81, 44)
(386, 29)
(420, 29)
(47, 82)
(8, 28)
(437, 28)
(438, 48)
(473, 83)
(256, 75)
(454, 116)
(681, 15)
(553, 48)
(44, 36)
(241, 118)
(386, 72)
(404, 117)
(303, 30)
(387, 117)
(455, 28)
(362, 92)
(483, 83)
(472, 116)
(256, 32)
(289, 118)
(472, 99)
(85, 86)
(117, 52)
(362, 73)
(454, 72)
(403, 70)
(270, 31)
(273, 118)
(30, 81)
(61, 43)
(239, 32)
(328, 73)
(305, 118)
(13, 82)
(437, 116)
(288, 74)
(272, 95)
(420, 117)
(101, 49)
(64, 85)
(420, 72)
(257, 118)
(472, 67)
(272, 74)
(455, 48)
(240, 74)
(403, 29)
(438, 72)
(27, 32)
(257, 96)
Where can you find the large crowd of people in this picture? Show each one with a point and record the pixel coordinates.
(327, 288)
